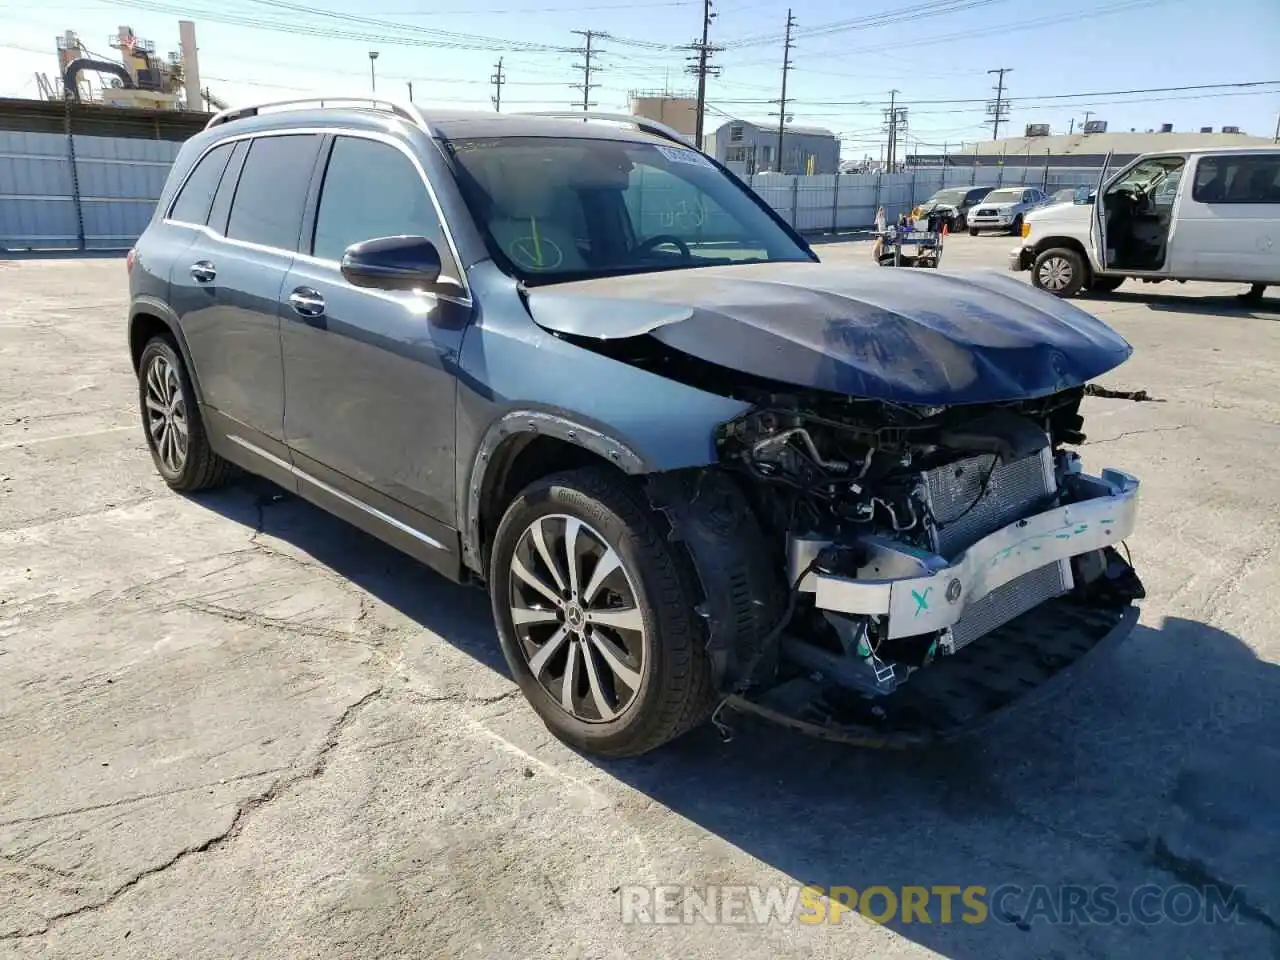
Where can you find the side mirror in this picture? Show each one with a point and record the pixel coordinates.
(393, 263)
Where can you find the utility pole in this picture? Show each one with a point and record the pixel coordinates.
(587, 67)
(410, 84)
(782, 101)
(1277, 139)
(998, 108)
(700, 67)
(1087, 115)
(373, 76)
(895, 118)
(498, 78)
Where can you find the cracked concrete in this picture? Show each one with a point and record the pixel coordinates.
(234, 726)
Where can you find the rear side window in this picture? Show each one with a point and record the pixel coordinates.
(372, 190)
(1250, 178)
(192, 205)
(227, 189)
(272, 190)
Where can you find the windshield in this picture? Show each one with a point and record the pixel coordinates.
(1004, 196)
(948, 197)
(560, 208)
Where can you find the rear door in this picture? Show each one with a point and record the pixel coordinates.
(227, 288)
(1228, 218)
(371, 375)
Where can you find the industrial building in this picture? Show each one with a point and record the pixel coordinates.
(749, 148)
(1085, 148)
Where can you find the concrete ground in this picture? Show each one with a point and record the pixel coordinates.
(232, 726)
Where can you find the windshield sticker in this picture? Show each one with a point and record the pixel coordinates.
(678, 155)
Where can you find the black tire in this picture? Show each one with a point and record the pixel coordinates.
(973, 231)
(198, 467)
(1105, 284)
(960, 224)
(1060, 271)
(1254, 293)
(1016, 228)
(674, 692)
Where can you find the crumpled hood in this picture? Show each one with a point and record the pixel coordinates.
(902, 335)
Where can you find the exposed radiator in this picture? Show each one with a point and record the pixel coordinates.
(1013, 491)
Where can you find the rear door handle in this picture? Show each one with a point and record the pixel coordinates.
(307, 302)
(203, 271)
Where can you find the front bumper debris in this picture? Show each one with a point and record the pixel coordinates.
(930, 593)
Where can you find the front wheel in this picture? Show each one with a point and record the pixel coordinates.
(1016, 228)
(960, 224)
(1059, 271)
(595, 614)
(973, 231)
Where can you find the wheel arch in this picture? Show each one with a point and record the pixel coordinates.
(149, 317)
(519, 448)
(1069, 243)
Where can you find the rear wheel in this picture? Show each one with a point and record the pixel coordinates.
(175, 433)
(1059, 271)
(595, 614)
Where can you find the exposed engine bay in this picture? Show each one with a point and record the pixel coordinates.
(912, 536)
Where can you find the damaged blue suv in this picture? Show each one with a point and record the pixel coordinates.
(576, 360)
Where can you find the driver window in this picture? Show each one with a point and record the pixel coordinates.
(372, 190)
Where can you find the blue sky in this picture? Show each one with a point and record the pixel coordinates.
(931, 51)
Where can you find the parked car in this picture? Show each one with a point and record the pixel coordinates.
(1004, 209)
(1067, 194)
(953, 205)
(1185, 215)
(690, 463)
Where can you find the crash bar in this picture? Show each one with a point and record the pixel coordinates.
(406, 110)
(643, 124)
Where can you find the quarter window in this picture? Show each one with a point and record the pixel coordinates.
(273, 190)
(372, 190)
(1245, 178)
(192, 205)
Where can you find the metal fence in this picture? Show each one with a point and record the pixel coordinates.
(96, 193)
(78, 192)
(834, 202)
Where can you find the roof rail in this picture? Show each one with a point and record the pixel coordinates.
(406, 110)
(640, 123)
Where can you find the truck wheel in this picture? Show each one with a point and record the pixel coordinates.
(973, 231)
(595, 614)
(1105, 284)
(960, 224)
(1060, 271)
(175, 432)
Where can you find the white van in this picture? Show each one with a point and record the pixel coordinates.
(1207, 214)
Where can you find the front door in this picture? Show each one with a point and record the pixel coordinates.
(370, 375)
(227, 287)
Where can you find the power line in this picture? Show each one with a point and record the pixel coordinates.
(998, 108)
(782, 100)
(498, 79)
(586, 86)
(895, 123)
(920, 11)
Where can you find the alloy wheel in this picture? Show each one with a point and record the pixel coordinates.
(1054, 273)
(166, 414)
(577, 620)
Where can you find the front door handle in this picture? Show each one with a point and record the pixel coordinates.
(307, 302)
(203, 271)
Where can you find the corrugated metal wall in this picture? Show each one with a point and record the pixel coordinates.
(102, 201)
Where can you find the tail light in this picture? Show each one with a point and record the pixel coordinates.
(129, 260)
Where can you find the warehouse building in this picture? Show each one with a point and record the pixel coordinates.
(749, 148)
(1037, 147)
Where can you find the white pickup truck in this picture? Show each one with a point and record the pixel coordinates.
(1209, 214)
